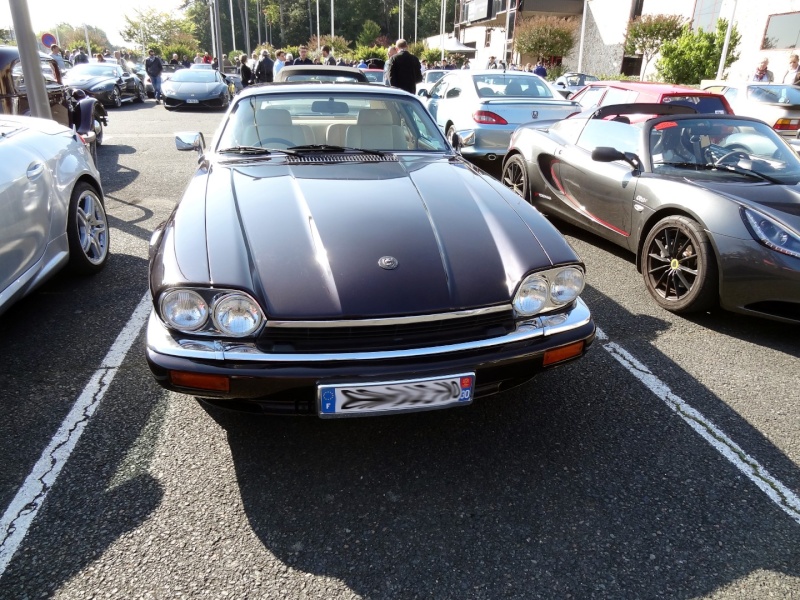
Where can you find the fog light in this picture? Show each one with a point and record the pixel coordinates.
(557, 355)
(200, 381)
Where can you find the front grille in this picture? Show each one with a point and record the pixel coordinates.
(286, 340)
(340, 158)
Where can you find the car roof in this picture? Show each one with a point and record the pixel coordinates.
(650, 87)
(333, 70)
(360, 87)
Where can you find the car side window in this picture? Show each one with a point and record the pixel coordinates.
(438, 90)
(590, 96)
(598, 132)
(619, 96)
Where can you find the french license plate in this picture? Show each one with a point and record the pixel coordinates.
(383, 397)
(192, 101)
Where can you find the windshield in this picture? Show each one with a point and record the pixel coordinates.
(95, 70)
(727, 144)
(514, 85)
(323, 78)
(355, 120)
(774, 94)
(194, 76)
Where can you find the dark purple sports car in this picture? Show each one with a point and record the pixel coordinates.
(334, 255)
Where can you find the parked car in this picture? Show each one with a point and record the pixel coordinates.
(107, 82)
(374, 75)
(429, 77)
(51, 208)
(321, 73)
(568, 83)
(375, 276)
(196, 88)
(139, 70)
(776, 104)
(603, 93)
(67, 107)
(708, 203)
(484, 108)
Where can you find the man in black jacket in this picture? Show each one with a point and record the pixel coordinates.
(404, 70)
(154, 67)
(263, 71)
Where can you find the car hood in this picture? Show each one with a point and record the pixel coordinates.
(779, 201)
(189, 87)
(88, 80)
(308, 239)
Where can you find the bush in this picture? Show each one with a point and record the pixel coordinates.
(695, 55)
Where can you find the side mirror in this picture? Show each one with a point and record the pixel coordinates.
(423, 93)
(126, 74)
(190, 140)
(453, 93)
(608, 154)
(455, 141)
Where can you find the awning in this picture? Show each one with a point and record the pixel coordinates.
(450, 45)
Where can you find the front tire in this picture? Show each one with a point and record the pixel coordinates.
(116, 97)
(679, 267)
(515, 176)
(87, 230)
(141, 94)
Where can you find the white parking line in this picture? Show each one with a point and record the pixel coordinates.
(752, 469)
(29, 499)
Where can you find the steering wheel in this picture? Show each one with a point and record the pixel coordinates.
(737, 153)
(276, 140)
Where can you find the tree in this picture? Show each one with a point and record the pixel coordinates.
(695, 55)
(370, 32)
(545, 35)
(647, 33)
(5, 37)
(151, 28)
(75, 37)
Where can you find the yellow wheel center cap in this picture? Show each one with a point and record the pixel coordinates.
(674, 264)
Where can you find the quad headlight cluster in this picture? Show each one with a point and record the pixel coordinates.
(211, 312)
(549, 290)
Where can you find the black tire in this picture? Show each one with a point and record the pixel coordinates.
(99, 129)
(515, 176)
(679, 267)
(116, 97)
(87, 230)
(141, 94)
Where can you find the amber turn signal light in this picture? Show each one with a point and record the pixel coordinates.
(200, 381)
(556, 355)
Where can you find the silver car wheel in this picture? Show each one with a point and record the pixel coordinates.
(87, 232)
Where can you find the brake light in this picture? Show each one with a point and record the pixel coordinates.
(487, 117)
(786, 125)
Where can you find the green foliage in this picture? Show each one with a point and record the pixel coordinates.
(545, 35)
(647, 33)
(339, 45)
(365, 52)
(74, 37)
(156, 29)
(695, 55)
(370, 32)
(5, 37)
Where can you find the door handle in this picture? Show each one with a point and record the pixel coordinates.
(35, 170)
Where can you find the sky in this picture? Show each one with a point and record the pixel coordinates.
(108, 15)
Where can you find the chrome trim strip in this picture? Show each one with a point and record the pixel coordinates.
(391, 320)
(161, 341)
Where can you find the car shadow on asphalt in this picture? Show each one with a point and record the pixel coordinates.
(116, 177)
(548, 490)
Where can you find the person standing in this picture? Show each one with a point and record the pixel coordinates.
(303, 58)
(389, 54)
(80, 57)
(264, 68)
(245, 72)
(55, 52)
(174, 60)
(763, 74)
(792, 74)
(327, 57)
(186, 62)
(207, 60)
(492, 64)
(280, 61)
(154, 68)
(403, 69)
(198, 60)
(539, 69)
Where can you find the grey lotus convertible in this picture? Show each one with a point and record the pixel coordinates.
(334, 255)
(710, 204)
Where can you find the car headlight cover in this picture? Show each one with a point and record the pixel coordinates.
(237, 315)
(184, 309)
(566, 286)
(531, 296)
(772, 234)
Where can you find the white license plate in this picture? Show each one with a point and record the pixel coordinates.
(353, 400)
(192, 101)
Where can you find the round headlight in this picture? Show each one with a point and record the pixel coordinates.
(184, 309)
(566, 286)
(531, 296)
(237, 315)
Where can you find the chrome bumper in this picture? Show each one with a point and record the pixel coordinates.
(163, 341)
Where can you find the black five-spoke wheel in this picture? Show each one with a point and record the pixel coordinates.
(679, 267)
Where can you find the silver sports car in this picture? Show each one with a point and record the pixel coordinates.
(710, 204)
(51, 206)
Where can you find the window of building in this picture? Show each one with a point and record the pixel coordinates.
(706, 13)
(783, 32)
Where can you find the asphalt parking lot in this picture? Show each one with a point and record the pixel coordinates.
(663, 465)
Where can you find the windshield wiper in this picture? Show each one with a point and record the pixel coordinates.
(331, 148)
(749, 172)
(252, 150)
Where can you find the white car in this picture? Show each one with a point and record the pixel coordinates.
(51, 206)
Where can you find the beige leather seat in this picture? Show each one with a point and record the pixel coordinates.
(374, 130)
(336, 134)
(276, 124)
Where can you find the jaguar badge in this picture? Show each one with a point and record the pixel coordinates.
(388, 263)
